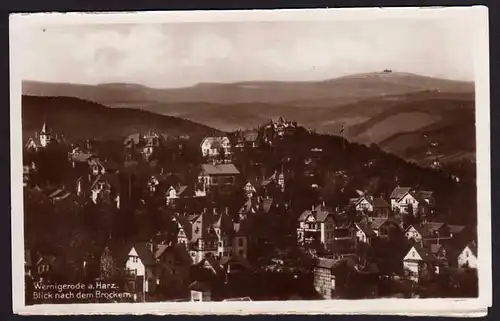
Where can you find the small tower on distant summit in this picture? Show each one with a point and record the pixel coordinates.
(45, 135)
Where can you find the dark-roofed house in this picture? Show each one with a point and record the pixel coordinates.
(407, 201)
(418, 232)
(246, 139)
(319, 226)
(374, 206)
(105, 188)
(200, 292)
(364, 232)
(173, 269)
(217, 176)
(177, 192)
(316, 226)
(48, 268)
(418, 261)
(324, 278)
(141, 266)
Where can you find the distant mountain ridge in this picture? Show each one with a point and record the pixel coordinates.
(79, 119)
(355, 87)
(392, 109)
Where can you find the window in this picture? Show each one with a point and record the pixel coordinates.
(413, 254)
(240, 241)
(466, 253)
(240, 252)
(220, 244)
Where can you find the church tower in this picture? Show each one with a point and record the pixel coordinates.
(45, 135)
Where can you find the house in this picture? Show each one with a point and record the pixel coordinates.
(178, 192)
(145, 144)
(47, 268)
(418, 232)
(247, 139)
(140, 269)
(429, 232)
(200, 292)
(98, 167)
(364, 232)
(318, 226)
(468, 256)
(59, 194)
(442, 254)
(373, 206)
(250, 190)
(198, 236)
(43, 139)
(173, 263)
(213, 147)
(418, 262)
(407, 201)
(211, 233)
(324, 278)
(217, 176)
(105, 188)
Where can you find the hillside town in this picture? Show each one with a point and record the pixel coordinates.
(273, 213)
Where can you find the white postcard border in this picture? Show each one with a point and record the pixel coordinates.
(450, 307)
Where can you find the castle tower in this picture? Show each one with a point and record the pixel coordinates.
(45, 135)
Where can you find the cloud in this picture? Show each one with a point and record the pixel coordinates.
(183, 54)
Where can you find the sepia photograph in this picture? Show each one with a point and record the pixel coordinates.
(303, 156)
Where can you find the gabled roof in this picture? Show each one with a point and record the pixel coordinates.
(215, 142)
(110, 178)
(320, 214)
(185, 224)
(380, 202)
(81, 157)
(434, 226)
(426, 194)
(178, 250)
(399, 192)
(34, 142)
(424, 252)
(47, 259)
(419, 198)
(219, 169)
(366, 229)
(235, 259)
(199, 286)
(423, 229)
(473, 247)
(377, 222)
(456, 228)
(145, 255)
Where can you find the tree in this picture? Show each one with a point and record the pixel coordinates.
(108, 266)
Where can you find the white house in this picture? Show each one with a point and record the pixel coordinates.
(213, 146)
(364, 232)
(141, 264)
(177, 192)
(418, 261)
(316, 226)
(468, 256)
(407, 201)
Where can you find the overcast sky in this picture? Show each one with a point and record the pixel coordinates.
(183, 54)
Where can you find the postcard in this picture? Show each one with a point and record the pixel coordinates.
(324, 161)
